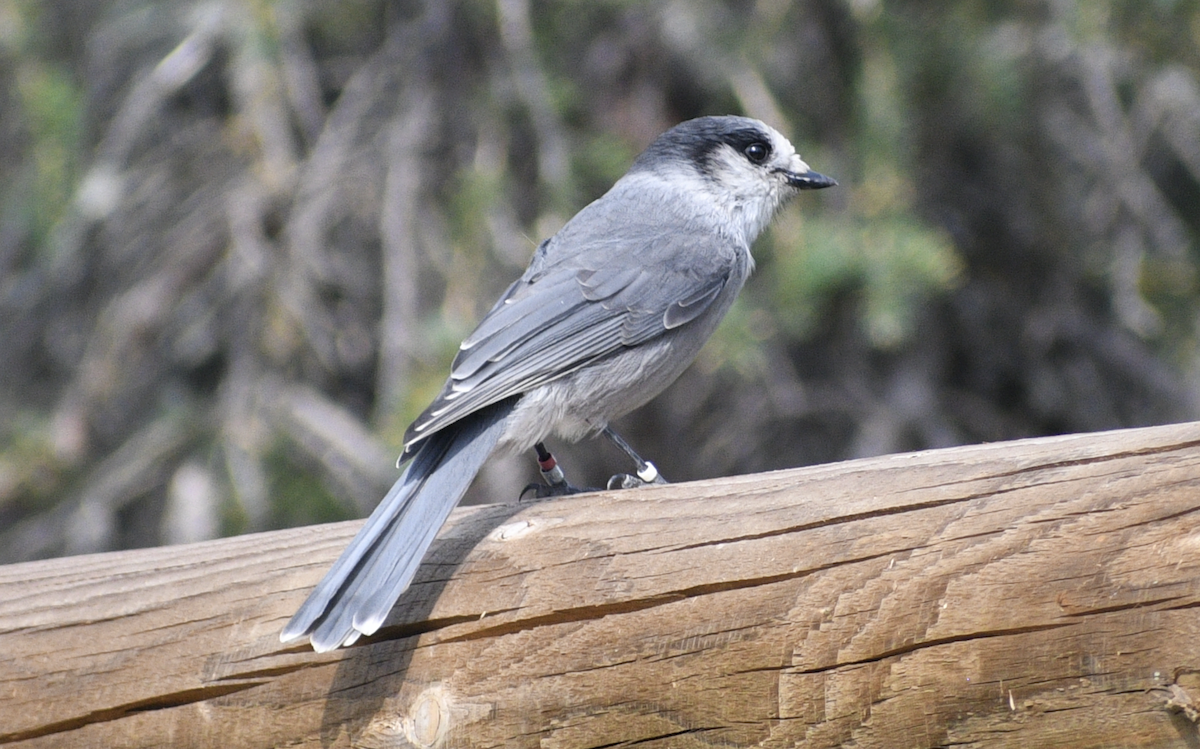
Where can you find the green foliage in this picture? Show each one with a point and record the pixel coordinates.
(473, 196)
(1165, 31)
(297, 496)
(877, 245)
(50, 107)
(894, 263)
(600, 161)
(30, 472)
(441, 336)
(342, 27)
(738, 342)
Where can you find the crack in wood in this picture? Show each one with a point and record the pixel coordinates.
(660, 736)
(1124, 454)
(829, 522)
(1162, 518)
(412, 629)
(271, 671)
(599, 611)
(117, 712)
(1128, 606)
(936, 642)
(880, 513)
(1182, 606)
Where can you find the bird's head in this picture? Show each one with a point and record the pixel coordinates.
(738, 170)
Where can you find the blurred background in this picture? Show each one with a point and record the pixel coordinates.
(241, 239)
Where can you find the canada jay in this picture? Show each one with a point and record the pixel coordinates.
(610, 311)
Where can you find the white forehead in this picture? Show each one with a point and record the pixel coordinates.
(780, 145)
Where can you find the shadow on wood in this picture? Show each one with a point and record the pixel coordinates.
(1034, 593)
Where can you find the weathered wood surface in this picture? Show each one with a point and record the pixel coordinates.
(1036, 593)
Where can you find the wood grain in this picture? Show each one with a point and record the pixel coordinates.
(1034, 593)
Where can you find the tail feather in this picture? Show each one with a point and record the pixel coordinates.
(363, 585)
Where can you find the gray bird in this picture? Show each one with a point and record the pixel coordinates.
(610, 311)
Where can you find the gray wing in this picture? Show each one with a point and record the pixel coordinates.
(569, 310)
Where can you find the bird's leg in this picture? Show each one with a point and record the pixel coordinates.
(646, 472)
(552, 474)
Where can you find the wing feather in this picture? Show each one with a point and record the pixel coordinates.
(574, 307)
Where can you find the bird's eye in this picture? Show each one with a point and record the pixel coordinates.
(757, 152)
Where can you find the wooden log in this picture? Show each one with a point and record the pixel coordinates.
(1034, 593)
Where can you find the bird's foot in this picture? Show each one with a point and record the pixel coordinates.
(646, 475)
(646, 472)
(556, 483)
(542, 491)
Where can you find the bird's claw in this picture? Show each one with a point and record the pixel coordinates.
(624, 481)
(629, 481)
(542, 491)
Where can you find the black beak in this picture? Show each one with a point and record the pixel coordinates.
(809, 180)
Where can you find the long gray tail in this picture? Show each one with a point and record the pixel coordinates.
(360, 589)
